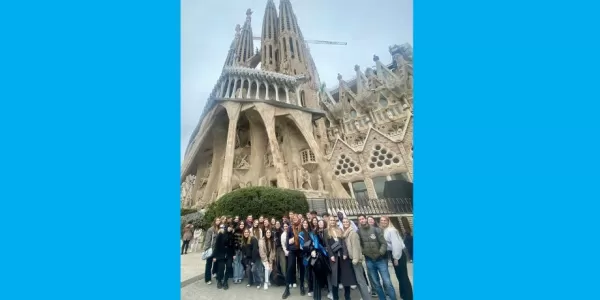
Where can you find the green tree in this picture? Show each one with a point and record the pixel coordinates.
(256, 201)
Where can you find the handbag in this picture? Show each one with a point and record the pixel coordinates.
(206, 254)
(336, 246)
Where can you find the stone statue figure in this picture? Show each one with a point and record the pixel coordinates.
(389, 114)
(356, 124)
(285, 66)
(268, 160)
(320, 182)
(306, 179)
(299, 178)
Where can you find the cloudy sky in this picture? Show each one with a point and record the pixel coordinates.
(208, 27)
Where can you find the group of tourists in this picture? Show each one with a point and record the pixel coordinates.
(327, 252)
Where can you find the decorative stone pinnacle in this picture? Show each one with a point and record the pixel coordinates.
(248, 12)
(356, 68)
(339, 76)
(238, 28)
(375, 57)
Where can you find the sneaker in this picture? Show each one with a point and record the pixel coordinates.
(210, 282)
(330, 296)
(353, 287)
(341, 287)
(214, 275)
(258, 286)
(266, 286)
(295, 285)
(310, 294)
(219, 285)
(248, 285)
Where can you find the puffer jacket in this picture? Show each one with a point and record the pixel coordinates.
(374, 245)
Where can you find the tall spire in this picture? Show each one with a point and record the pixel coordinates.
(291, 41)
(230, 61)
(270, 31)
(245, 46)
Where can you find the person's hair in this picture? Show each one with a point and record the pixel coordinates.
(390, 225)
(314, 212)
(302, 227)
(324, 225)
(246, 241)
(374, 221)
(362, 215)
(242, 224)
(326, 215)
(214, 224)
(269, 241)
(334, 231)
(314, 226)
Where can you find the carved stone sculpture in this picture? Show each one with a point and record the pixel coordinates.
(389, 114)
(268, 160)
(320, 184)
(306, 180)
(262, 181)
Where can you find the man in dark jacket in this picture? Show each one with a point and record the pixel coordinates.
(374, 248)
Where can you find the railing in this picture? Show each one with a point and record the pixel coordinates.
(354, 207)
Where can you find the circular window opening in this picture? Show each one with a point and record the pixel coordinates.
(373, 159)
(377, 147)
(352, 164)
(337, 172)
(396, 160)
(371, 165)
(349, 170)
(343, 171)
(389, 155)
(339, 167)
(340, 161)
(381, 157)
(356, 169)
(383, 151)
(343, 156)
(388, 162)
(347, 160)
(345, 165)
(375, 153)
(379, 164)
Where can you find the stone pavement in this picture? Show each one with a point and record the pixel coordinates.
(195, 288)
(192, 267)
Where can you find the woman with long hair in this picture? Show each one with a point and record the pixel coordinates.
(321, 232)
(396, 253)
(256, 230)
(305, 241)
(188, 234)
(292, 240)
(209, 243)
(284, 248)
(314, 224)
(341, 265)
(251, 255)
(223, 255)
(352, 241)
(318, 264)
(238, 266)
(267, 254)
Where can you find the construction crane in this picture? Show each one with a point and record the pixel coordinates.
(257, 38)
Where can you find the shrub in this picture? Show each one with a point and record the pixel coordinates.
(256, 201)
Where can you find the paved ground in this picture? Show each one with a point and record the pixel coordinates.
(196, 289)
(192, 266)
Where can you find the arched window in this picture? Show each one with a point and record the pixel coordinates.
(284, 48)
(291, 46)
(298, 49)
(302, 102)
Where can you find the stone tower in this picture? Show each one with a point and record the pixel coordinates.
(269, 41)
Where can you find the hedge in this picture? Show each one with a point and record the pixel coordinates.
(187, 211)
(256, 201)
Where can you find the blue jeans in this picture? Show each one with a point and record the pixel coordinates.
(238, 268)
(380, 267)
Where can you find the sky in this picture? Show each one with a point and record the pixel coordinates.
(208, 28)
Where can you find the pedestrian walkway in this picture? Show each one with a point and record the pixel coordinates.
(194, 288)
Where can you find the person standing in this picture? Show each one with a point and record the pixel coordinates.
(223, 255)
(374, 248)
(209, 243)
(238, 266)
(292, 239)
(251, 255)
(355, 254)
(396, 250)
(187, 237)
(267, 251)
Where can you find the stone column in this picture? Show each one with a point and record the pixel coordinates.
(257, 89)
(233, 111)
(351, 190)
(227, 93)
(298, 98)
(276, 92)
(235, 80)
(222, 90)
(249, 89)
(239, 95)
(287, 95)
(267, 113)
(266, 91)
(370, 188)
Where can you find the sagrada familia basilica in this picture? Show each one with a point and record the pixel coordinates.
(270, 122)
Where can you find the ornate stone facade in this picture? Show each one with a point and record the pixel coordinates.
(278, 126)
